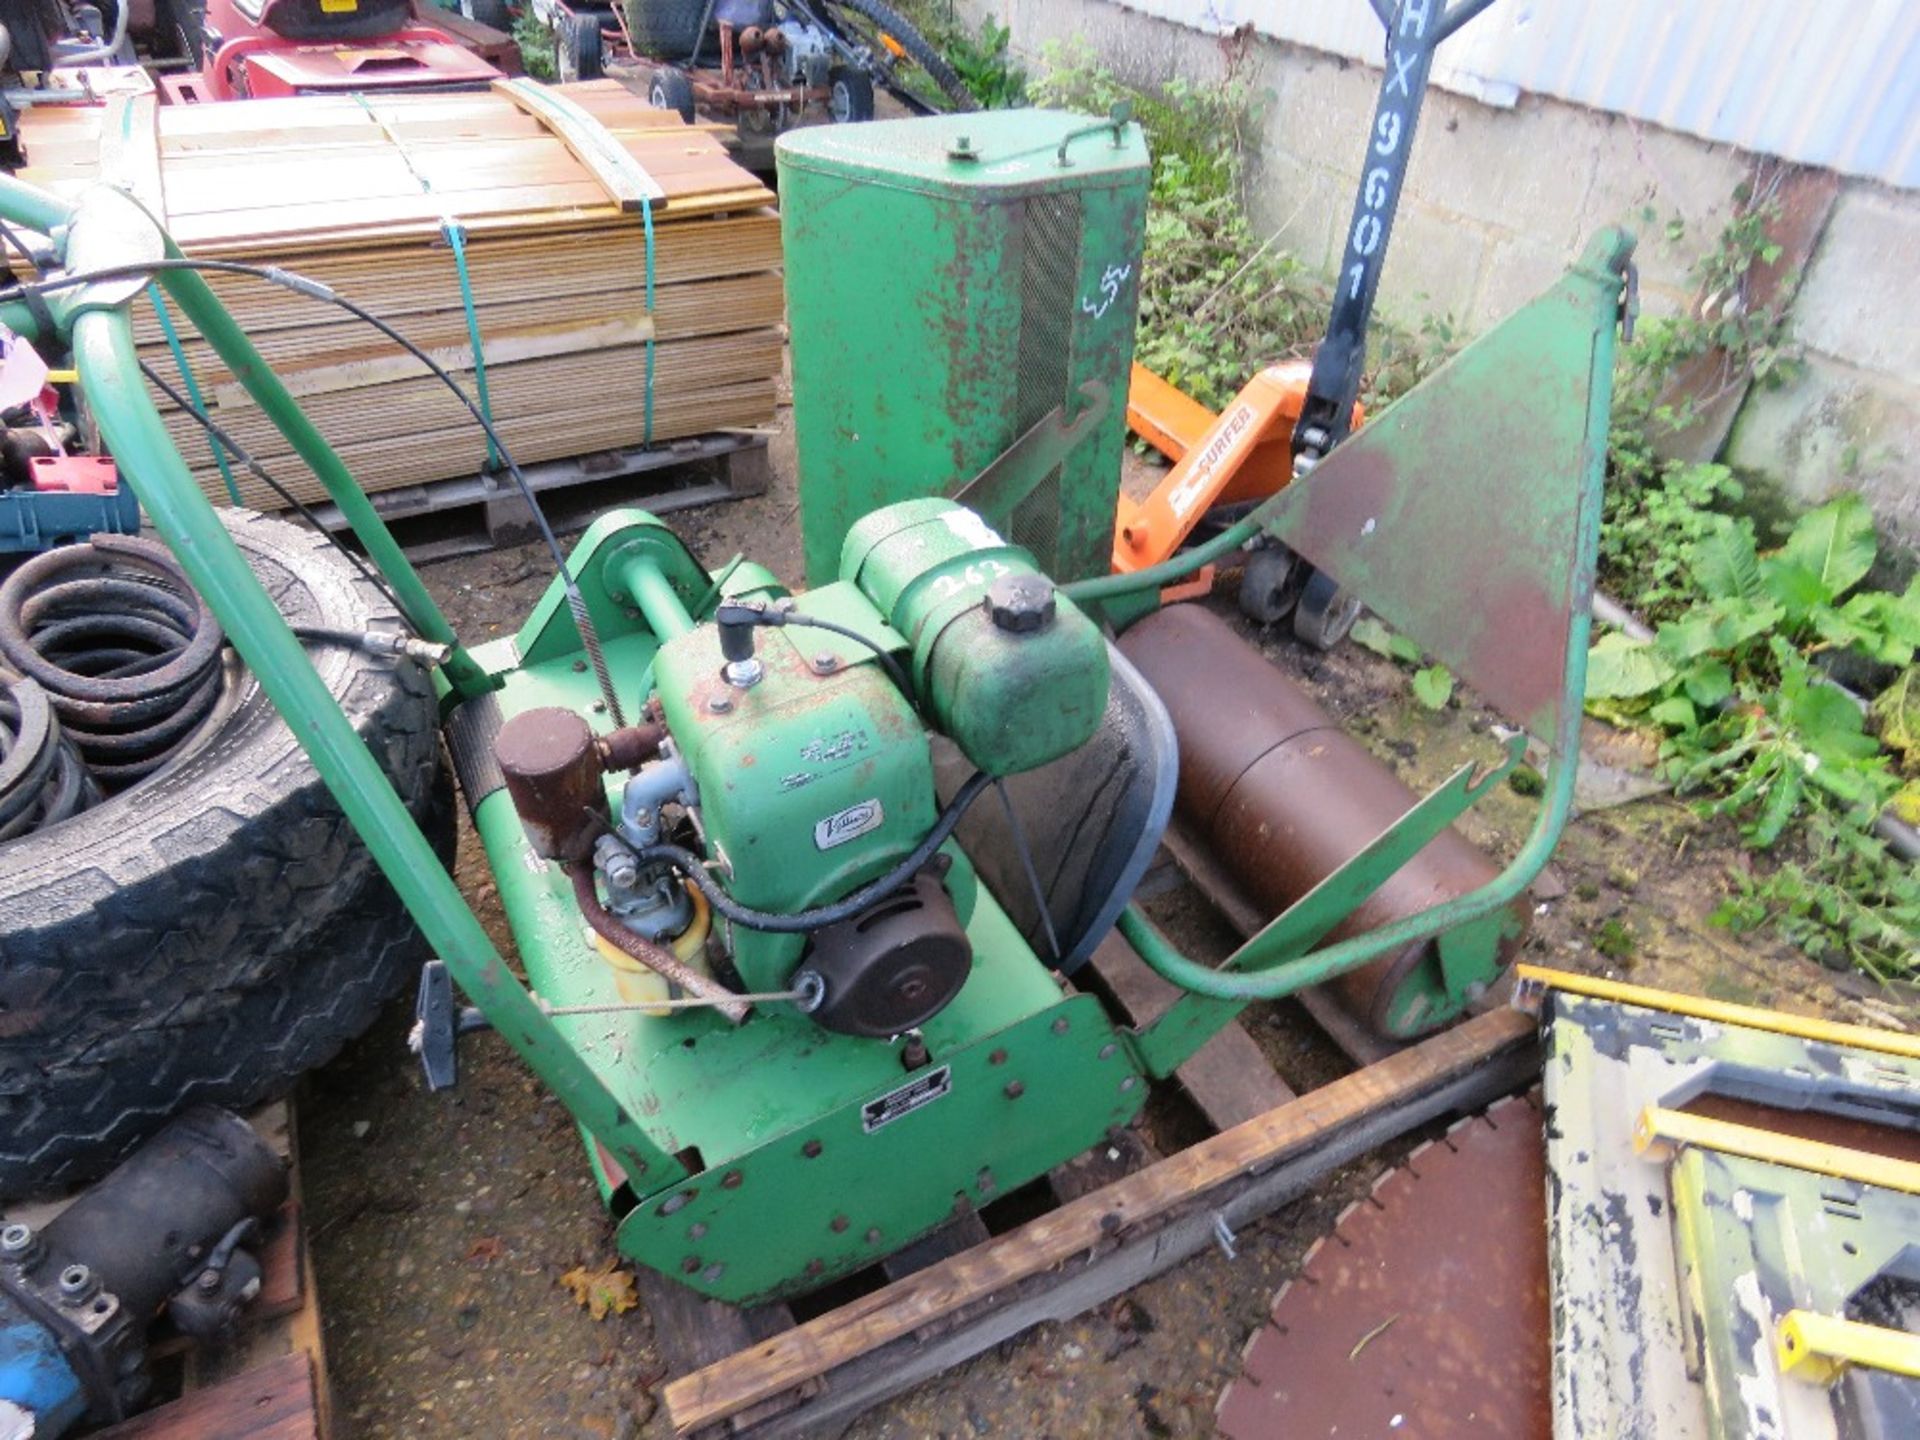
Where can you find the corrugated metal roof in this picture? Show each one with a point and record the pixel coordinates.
(1828, 84)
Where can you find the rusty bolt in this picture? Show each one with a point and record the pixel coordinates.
(839, 1224)
(731, 1180)
(811, 1149)
(689, 1265)
(998, 1057)
(814, 1267)
(579, 667)
(1061, 1026)
(1015, 1089)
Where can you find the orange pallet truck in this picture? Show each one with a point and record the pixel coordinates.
(1289, 416)
(1237, 457)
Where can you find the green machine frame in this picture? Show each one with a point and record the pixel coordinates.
(1450, 472)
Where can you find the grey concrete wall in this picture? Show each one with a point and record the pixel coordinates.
(1499, 201)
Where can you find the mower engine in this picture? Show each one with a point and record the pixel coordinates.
(751, 912)
(806, 775)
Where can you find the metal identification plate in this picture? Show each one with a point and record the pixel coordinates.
(848, 824)
(921, 1091)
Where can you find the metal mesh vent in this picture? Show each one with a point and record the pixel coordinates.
(1049, 269)
(1036, 521)
(1049, 263)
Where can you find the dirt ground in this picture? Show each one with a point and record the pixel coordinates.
(442, 1224)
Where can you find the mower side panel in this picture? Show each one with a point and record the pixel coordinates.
(872, 1174)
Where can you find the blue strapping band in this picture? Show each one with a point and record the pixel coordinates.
(646, 219)
(192, 387)
(457, 238)
(457, 242)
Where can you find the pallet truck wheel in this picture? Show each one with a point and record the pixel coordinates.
(672, 91)
(576, 46)
(1270, 584)
(849, 95)
(1325, 613)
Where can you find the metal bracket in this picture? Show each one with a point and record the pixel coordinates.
(1018, 470)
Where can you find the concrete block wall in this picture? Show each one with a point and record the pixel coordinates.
(1498, 201)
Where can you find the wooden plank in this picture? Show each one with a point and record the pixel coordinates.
(1320, 1128)
(620, 174)
(1229, 1079)
(275, 1401)
(496, 349)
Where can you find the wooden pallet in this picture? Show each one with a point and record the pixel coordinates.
(1108, 1221)
(446, 518)
(270, 1382)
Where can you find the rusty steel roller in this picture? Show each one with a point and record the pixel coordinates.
(1284, 797)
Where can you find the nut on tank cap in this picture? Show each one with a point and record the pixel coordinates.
(1021, 604)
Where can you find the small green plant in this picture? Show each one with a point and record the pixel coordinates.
(1432, 684)
(535, 40)
(984, 63)
(1733, 681)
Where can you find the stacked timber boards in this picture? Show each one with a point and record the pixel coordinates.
(356, 192)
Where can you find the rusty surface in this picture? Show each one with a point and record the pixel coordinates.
(1284, 797)
(657, 958)
(552, 773)
(629, 747)
(1425, 1313)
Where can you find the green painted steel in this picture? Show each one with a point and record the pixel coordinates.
(108, 363)
(813, 784)
(824, 1194)
(701, 1129)
(1275, 962)
(1010, 701)
(953, 287)
(1514, 624)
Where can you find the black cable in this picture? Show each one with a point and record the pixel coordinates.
(259, 472)
(313, 289)
(891, 665)
(1025, 853)
(801, 921)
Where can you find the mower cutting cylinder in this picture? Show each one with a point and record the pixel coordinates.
(1285, 797)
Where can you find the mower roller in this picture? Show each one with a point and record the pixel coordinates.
(805, 985)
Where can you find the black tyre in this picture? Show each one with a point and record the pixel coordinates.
(1325, 613)
(1270, 583)
(216, 930)
(576, 47)
(866, 21)
(493, 14)
(849, 96)
(181, 26)
(671, 90)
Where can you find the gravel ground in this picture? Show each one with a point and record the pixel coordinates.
(442, 1224)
